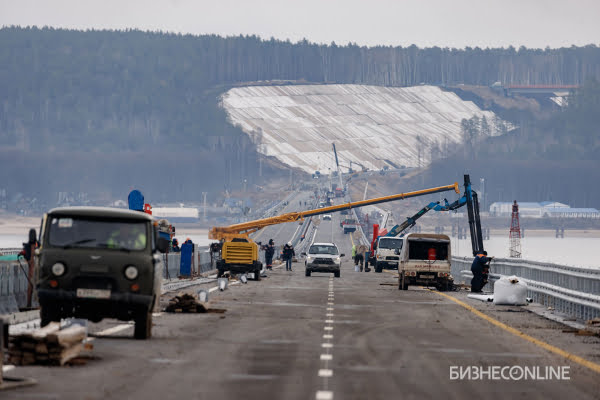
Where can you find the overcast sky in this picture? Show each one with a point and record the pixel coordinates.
(444, 23)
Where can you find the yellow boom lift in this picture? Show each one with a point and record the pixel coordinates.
(239, 254)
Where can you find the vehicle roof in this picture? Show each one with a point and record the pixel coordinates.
(427, 236)
(323, 244)
(107, 212)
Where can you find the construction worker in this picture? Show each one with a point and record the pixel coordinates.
(480, 269)
(176, 248)
(288, 255)
(128, 236)
(359, 258)
(269, 252)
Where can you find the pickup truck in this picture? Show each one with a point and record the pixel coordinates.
(349, 225)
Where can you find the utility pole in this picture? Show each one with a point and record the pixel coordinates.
(204, 206)
(515, 233)
(483, 193)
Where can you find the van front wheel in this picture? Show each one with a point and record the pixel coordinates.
(143, 325)
(48, 314)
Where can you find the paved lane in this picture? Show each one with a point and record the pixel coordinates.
(295, 337)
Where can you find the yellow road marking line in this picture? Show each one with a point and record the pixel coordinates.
(387, 271)
(569, 356)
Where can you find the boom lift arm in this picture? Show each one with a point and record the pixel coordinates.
(411, 221)
(338, 169)
(469, 198)
(243, 229)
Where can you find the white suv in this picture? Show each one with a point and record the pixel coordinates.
(323, 257)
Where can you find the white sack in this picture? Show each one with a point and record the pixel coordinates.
(510, 290)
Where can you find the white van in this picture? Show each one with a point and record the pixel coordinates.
(385, 255)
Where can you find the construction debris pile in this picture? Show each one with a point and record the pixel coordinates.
(47, 346)
(187, 303)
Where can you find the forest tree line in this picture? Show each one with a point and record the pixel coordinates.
(104, 94)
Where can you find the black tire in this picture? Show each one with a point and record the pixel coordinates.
(378, 268)
(143, 325)
(307, 272)
(442, 286)
(220, 273)
(48, 314)
(257, 275)
(337, 274)
(402, 282)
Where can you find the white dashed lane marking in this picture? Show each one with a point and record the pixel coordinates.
(113, 330)
(325, 372)
(324, 395)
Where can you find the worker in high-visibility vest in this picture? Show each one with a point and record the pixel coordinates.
(128, 236)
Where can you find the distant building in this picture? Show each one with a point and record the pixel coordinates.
(549, 209)
(176, 214)
(568, 212)
(526, 209)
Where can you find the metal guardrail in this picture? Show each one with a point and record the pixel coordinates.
(201, 255)
(13, 279)
(570, 290)
(13, 287)
(11, 251)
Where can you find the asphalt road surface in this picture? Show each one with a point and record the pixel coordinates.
(295, 337)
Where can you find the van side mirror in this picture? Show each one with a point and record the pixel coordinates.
(162, 244)
(29, 246)
(303, 254)
(397, 252)
(32, 236)
(342, 255)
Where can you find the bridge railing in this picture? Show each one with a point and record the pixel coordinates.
(13, 277)
(570, 290)
(203, 262)
(13, 286)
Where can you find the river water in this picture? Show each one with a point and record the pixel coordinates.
(574, 251)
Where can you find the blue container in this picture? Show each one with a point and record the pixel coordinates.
(136, 200)
(185, 267)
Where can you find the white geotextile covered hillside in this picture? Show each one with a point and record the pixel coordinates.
(371, 125)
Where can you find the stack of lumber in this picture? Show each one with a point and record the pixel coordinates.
(186, 303)
(48, 345)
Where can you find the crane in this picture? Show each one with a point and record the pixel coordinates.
(469, 198)
(239, 253)
(339, 192)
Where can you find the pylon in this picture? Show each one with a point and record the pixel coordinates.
(515, 233)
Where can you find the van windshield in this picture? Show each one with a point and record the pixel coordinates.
(71, 232)
(389, 243)
(323, 249)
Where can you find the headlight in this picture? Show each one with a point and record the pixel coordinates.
(337, 260)
(131, 272)
(58, 269)
(308, 258)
